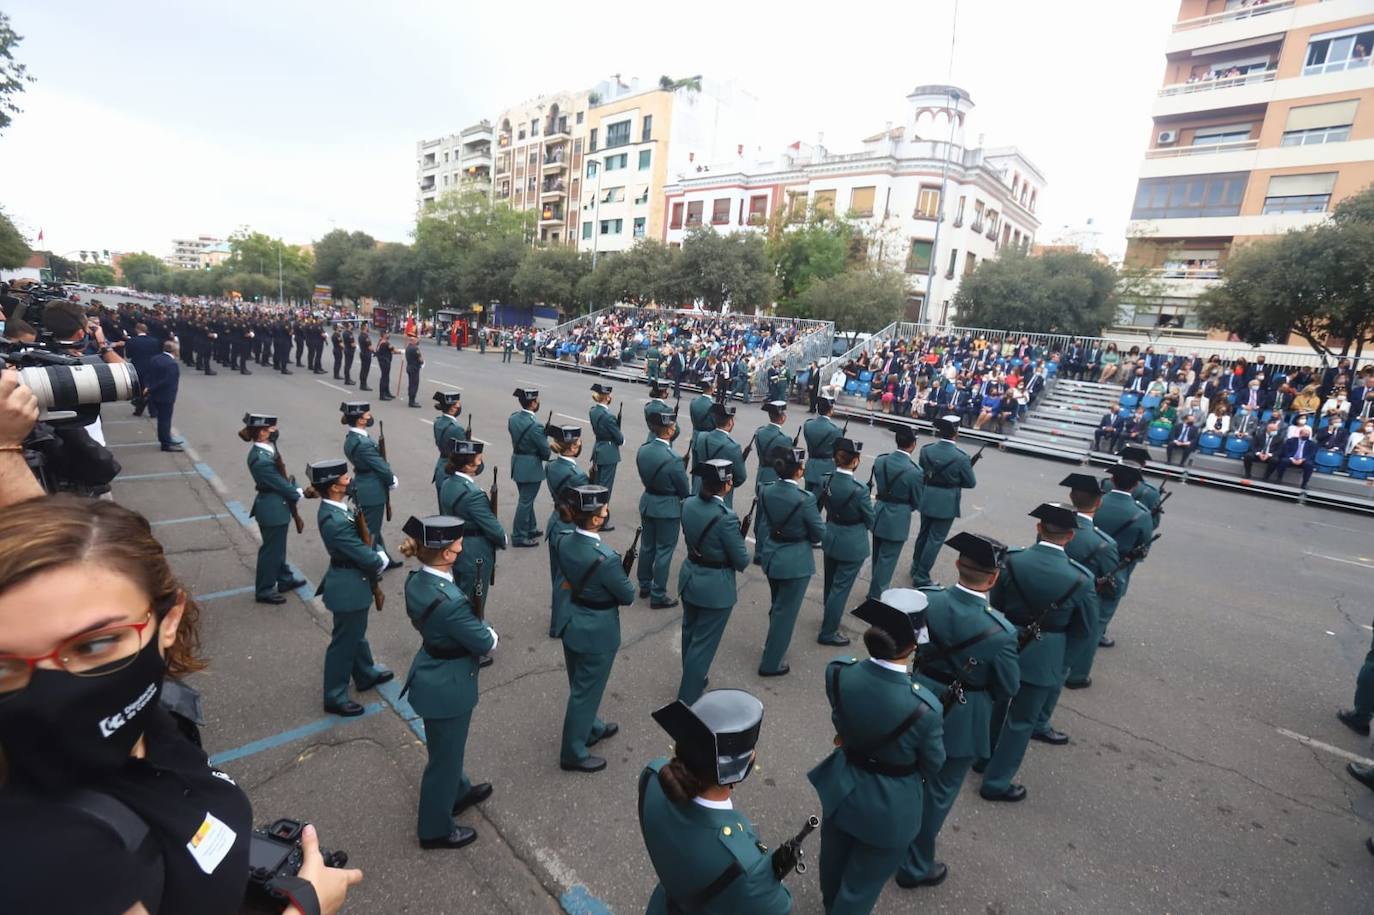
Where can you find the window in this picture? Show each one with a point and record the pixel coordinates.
(1215, 136)
(445, 157)
(591, 168)
(1310, 125)
(586, 230)
(614, 163)
(796, 204)
(642, 195)
(953, 262)
(676, 221)
(970, 263)
(613, 195)
(928, 203)
(861, 201)
(959, 213)
(521, 135)
(1189, 196)
(977, 215)
(646, 132)
(534, 127)
(591, 140)
(577, 147)
(720, 211)
(758, 209)
(617, 134)
(534, 158)
(1334, 52)
(824, 202)
(918, 258)
(639, 227)
(445, 179)
(694, 209)
(992, 223)
(612, 226)
(1006, 234)
(644, 156)
(1299, 193)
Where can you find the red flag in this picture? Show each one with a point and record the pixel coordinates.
(40, 235)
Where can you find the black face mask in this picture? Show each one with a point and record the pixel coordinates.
(351, 490)
(370, 421)
(477, 471)
(273, 435)
(62, 728)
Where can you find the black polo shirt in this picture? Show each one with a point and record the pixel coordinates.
(55, 858)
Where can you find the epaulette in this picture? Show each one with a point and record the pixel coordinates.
(846, 661)
(927, 696)
(930, 588)
(1006, 624)
(1083, 569)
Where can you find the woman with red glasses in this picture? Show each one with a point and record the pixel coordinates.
(108, 806)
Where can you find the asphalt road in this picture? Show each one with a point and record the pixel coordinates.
(1182, 791)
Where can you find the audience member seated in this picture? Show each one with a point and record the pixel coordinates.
(1299, 453)
(1266, 447)
(1111, 427)
(1183, 439)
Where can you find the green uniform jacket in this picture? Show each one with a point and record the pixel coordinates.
(560, 473)
(699, 410)
(848, 518)
(820, 434)
(346, 587)
(1094, 550)
(446, 429)
(443, 688)
(768, 437)
(599, 588)
(664, 478)
(529, 447)
(717, 444)
(948, 472)
(371, 475)
(867, 703)
(1147, 495)
(954, 615)
(901, 484)
(715, 552)
(787, 516)
(1034, 579)
(690, 846)
(483, 534)
(1124, 520)
(608, 435)
(275, 492)
(658, 406)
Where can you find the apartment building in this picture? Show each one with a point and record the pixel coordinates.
(458, 161)
(637, 138)
(1265, 122)
(933, 205)
(538, 157)
(195, 253)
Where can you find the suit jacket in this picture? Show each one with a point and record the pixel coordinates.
(1115, 422)
(140, 350)
(164, 376)
(1298, 447)
(1335, 436)
(1180, 429)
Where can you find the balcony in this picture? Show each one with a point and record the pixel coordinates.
(1263, 8)
(557, 133)
(1212, 85)
(480, 159)
(992, 232)
(552, 189)
(1178, 282)
(1203, 150)
(977, 227)
(555, 162)
(551, 216)
(427, 185)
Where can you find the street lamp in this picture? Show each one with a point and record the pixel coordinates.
(953, 98)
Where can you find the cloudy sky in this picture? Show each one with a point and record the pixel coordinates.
(152, 120)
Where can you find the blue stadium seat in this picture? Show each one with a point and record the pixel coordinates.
(864, 388)
(1360, 466)
(1321, 423)
(865, 377)
(851, 386)
(1264, 417)
(1151, 401)
(1129, 399)
(1159, 433)
(1210, 443)
(1236, 446)
(1051, 369)
(1328, 460)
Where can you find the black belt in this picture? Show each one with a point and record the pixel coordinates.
(265, 492)
(892, 501)
(445, 654)
(846, 523)
(709, 564)
(655, 492)
(1044, 627)
(781, 539)
(939, 676)
(878, 767)
(597, 605)
(938, 485)
(344, 564)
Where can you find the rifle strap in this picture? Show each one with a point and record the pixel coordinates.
(694, 550)
(1053, 605)
(867, 749)
(423, 619)
(586, 578)
(943, 652)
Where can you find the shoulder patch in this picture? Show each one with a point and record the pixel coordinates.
(930, 588)
(846, 661)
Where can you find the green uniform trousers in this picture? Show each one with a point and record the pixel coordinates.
(788, 594)
(444, 780)
(605, 476)
(702, 628)
(1021, 718)
(656, 545)
(348, 653)
(525, 528)
(374, 515)
(839, 581)
(1364, 686)
(940, 793)
(853, 873)
(884, 564)
(928, 542)
(588, 673)
(272, 568)
(1081, 658)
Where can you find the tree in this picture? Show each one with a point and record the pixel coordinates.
(1060, 292)
(467, 248)
(139, 269)
(332, 252)
(648, 272)
(14, 76)
(260, 254)
(725, 269)
(863, 299)
(801, 254)
(14, 250)
(552, 276)
(98, 275)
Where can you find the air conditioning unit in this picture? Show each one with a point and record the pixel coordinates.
(1166, 137)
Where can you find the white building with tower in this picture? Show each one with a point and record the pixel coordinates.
(936, 205)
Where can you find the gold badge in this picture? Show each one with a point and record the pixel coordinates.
(915, 687)
(726, 830)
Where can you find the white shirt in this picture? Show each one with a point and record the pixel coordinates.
(1053, 546)
(357, 431)
(848, 473)
(592, 534)
(446, 576)
(339, 505)
(981, 595)
(890, 665)
(1088, 518)
(726, 804)
(793, 482)
(564, 457)
(265, 446)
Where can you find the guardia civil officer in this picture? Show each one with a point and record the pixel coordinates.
(442, 683)
(970, 661)
(948, 472)
(413, 362)
(365, 357)
(336, 341)
(561, 473)
(385, 353)
(820, 434)
(461, 497)
(446, 429)
(707, 854)
(706, 581)
(791, 524)
(664, 477)
(900, 485)
(372, 475)
(347, 587)
(699, 410)
(889, 737)
(1145, 492)
(716, 443)
(591, 633)
(769, 437)
(272, 507)
(1129, 523)
(848, 519)
(1046, 595)
(609, 438)
(350, 346)
(657, 404)
(530, 449)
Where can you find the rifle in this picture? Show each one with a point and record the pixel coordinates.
(469, 427)
(493, 496)
(797, 438)
(748, 518)
(1134, 554)
(845, 431)
(789, 854)
(365, 535)
(591, 474)
(620, 413)
(295, 512)
(749, 447)
(870, 477)
(628, 562)
(977, 457)
(479, 595)
(381, 449)
(1159, 508)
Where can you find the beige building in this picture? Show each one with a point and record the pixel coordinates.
(459, 161)
(538, 154)
(1265, 121)
(192, 253)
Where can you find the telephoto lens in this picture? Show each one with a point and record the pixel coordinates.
(65, 387)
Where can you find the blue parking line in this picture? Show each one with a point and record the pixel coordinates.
(206, 471)
(391, 693)
(317, 726)
(239, 512)
(154, 476)
(578, 900)
(216, 595)
(188, 520)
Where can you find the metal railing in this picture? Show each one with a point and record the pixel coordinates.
(1245, 12)
(1205, 149)
(1207, 85)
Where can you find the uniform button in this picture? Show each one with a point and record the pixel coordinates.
(186, 792)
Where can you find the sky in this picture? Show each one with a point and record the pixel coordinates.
(157, 120)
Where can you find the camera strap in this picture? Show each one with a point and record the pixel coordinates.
(125, 823)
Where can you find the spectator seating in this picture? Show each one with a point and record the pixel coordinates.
(1328, 460)
(1129, 399)
(1210, 443)
(1361, 466)
(1159, 433)
(1237, 446)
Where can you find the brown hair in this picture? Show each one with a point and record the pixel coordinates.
(412, 549)
(64, 529)
(680, 783)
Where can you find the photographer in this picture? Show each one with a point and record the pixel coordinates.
(109, 806)
(76, 334)
(18, 413)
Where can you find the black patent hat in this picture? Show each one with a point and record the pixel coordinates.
(433, 531)
(717, 733)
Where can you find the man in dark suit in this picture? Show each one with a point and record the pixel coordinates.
(1335, 436)
(1362, 399)
(1245, 423)
(1254, 397)
(164, 375)
(140, 349)
(1138, 383)
(1299, 452)
(1266, 446)
(1182, 438)
(1110, 426)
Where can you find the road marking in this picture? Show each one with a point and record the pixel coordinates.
(232, 592)
(446, 384)
(154, 476)
(334, 386)
(123, 422)
(575, 419)
(428, 422)
(317, 726)
(1362, 561)
(188, 520)
(1318, 745)
(1339, 527)
(578, 900)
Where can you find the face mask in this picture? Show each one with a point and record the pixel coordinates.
(370, 421)
(62, 727)
(477, 471)
(273, 435)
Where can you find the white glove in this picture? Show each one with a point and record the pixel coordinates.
(395, 482)
(494, 639)
(300, 493)
(386, 560)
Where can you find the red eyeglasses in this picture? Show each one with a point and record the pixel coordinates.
(90, 654)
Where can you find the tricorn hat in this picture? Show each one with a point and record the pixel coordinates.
(1056, 516)
(587, 498)
(323, 473)
(1082, 482)
(775, 408)
(899, 623)
(462, 447)
(716, 469)
(433, 531)
(258, 420)
(716, 734)
(445, 399)
(599, 388)
(978, 550)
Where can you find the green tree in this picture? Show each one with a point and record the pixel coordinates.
(728, 269)
(139, 269)
(647, 273)
(333, 252)
(63, 270)
(14, 76)
(14, 250)
(859, 300)
(98, 275)
(551, 276)
(467, 248)
(1061, 292)
(801, 254)
(395, 278)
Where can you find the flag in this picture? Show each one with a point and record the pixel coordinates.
(40, 236)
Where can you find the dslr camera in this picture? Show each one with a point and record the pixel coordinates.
(275, 851)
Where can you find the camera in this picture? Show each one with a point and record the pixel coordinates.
(64, 383)
(275, 851)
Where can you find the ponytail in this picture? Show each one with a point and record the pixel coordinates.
(680, 783)
(246, 434)
(312, 493)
